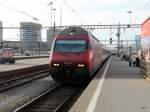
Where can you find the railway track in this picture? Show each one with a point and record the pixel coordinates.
(53, 100)
(21, 80)
(15, 78)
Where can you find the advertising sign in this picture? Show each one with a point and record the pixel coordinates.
(145, 39)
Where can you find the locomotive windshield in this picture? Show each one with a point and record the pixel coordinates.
(70, 46)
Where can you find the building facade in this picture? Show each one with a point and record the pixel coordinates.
(138, 42)
(30, 36)
(50, 36)
(15, 45)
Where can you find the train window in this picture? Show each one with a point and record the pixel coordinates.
(70, 46)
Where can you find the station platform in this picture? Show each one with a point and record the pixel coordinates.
(21, 57)
(23, 64)
(116, 88)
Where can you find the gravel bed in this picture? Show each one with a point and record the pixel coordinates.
(15, 97)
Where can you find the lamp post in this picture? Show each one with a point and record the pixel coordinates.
(118, 43)
(54, 15)
(130, 12)
(54, 20)
(51, 6)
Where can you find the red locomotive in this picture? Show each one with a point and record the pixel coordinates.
(76, 55)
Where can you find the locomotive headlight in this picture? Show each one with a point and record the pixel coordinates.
(56, 65)
(80, 65)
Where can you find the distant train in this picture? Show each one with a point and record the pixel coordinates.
(6, 55)
(75, 56)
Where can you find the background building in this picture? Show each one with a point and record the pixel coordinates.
(50, 36)
(15, 45)
(30, 37)
(138, 41)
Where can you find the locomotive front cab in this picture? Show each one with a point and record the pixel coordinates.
(69, 60)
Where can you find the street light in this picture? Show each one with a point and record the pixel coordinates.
(130, 16)
(54, 20)
(54, 15)
(51, 4)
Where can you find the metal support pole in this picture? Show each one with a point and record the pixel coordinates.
(54, 22)
(130, 16)
(51, 6)
(118, 35)
(51, 12)
(60, 16)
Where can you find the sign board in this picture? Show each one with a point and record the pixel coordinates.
(145, 39)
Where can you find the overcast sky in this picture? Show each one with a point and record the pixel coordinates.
(88, 11)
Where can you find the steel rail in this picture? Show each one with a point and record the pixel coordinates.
(37, 104)
(50, 101)
(7, 75)
(20, 77)
(13, 78)
(21, 81)
(37, 98)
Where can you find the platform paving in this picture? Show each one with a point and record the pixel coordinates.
(123, 90)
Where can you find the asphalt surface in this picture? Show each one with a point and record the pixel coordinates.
(123, 90)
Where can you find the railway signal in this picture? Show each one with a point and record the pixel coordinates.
(110, 40)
